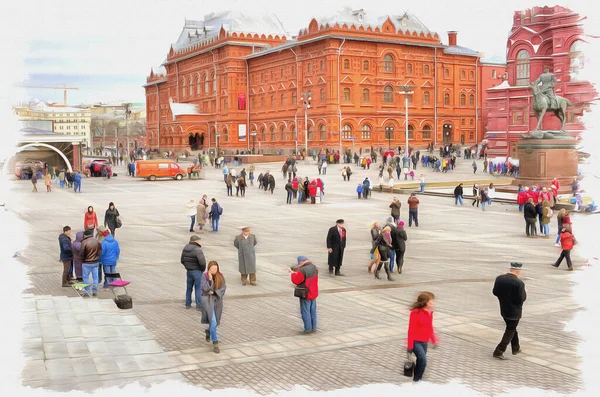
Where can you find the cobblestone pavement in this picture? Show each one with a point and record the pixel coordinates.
(456, 252)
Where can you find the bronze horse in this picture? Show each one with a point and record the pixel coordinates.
(541, 104)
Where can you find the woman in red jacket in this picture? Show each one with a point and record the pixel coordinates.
(420, 331)
(90, 220)
(567, 241)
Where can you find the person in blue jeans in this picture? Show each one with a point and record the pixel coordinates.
(306, 278)
(213, 291)
(420, 332)
(91, 250)
(215, 214)
(109, 257)
(192, 258)
(458, 194)
(77, 182)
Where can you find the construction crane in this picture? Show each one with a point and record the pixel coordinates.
(65, 88)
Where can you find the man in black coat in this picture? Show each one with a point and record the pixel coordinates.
(511, 294)
(336, 243)
(192, 258)
(458, 194)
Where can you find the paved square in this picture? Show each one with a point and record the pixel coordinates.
(75, 343)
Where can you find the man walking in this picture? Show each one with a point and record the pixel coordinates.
(395, 206)
(458, 194)
(511, 294)
(215, 214)
(109, 257)
(413, 210)
(77, 182)
(336, 243)
(245, 244)
(192, 258)
(66, 255)
(34, 180)
(90, 252)
(306, 278)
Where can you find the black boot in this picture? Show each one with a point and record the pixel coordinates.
(207, 335)
(399, 268)
(378, 269)
(387, 271)
(216, 347)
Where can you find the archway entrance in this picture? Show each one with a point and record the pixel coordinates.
(60, 153)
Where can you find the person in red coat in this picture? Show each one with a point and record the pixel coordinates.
(567, 241)
(306, 278)
(312, 191)
(556, 183)
(90, 220)
(295, 186)
(420, 331)
(522, 197)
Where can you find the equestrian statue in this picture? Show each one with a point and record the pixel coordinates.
(545, 100)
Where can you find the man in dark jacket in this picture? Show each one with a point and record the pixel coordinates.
(289, 192)
(336, 243)
(511, 294)
(66, 255)
(395, 206)
(458, 194)
(399, 238)
(413, 210)
(90, 252)
(306, 278)
(530, 215)
(192, 258)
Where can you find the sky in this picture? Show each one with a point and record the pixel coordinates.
(106, 48)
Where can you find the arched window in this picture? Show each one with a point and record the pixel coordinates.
(322, 132)
(283, 134)
(446, 99)
(366, 131)
(206, 84)
(294, 98)
(262, 134)
(426, 132)
(388, 94)
(347, 94)
(366, 97)
(522, 68)
(366, 66)
(272, 101)
(446, 73)
(346, 64)
(322, 65)
(322, 94)
(471, 100)
(183, 89)
(198, 86)
(309, 67)
(471, 122)
(463, 100)
(262, 102)
(346, 131)
(426, 98)
(293, 129)
(409, 68)
(282, 99)
(214, 79)
(310, 133)
(225, 134)
(273, 133)
(411, 132)
(463, 74)
(471, 75)
(426, 70)
(190, 84)
(388, 63)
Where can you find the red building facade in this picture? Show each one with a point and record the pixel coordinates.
(233, 86)
(540, 36)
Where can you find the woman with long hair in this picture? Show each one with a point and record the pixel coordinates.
(384, 246)
(110, 218)
(213, 291)
(375, 231)
(90, 220)
(420, 331)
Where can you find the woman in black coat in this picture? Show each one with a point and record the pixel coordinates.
(384, 245)
(530, 215)
(399, 244)
(110, 218)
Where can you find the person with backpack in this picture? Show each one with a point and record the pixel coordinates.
(305, 276)
(215, 214)
(546, 216)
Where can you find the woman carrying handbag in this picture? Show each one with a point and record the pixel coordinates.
(420, 332)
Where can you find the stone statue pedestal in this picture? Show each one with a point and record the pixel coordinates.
(541, 160)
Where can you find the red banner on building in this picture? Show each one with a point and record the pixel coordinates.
(241, 101)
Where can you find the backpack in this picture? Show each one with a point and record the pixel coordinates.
(550, 212)
(219, 210)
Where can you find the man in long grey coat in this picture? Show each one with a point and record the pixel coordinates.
(245, 243)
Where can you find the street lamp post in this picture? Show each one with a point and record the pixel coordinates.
(406, 91)
(389, 130)
(253, 135)
(217, 144)
(305, 98)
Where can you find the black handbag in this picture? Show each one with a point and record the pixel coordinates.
(300, 292)
(409, 366)
(118, 223)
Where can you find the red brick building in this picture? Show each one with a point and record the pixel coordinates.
(541, 36)
(235, 82)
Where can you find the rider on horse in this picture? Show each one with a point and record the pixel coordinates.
(548, 81)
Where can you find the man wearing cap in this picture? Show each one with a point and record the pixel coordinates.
(192, 258)
(245, 243)
(511, 294)
(336, 243)
(306, 278)
(90, 252)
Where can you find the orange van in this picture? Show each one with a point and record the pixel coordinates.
(152, 169)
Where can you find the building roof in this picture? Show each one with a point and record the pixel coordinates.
(182, 109)
(232, 21)
(35, 131)
(459, 50)
(501, 86)
(42, 107)
(495, 60)
(358, 18)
